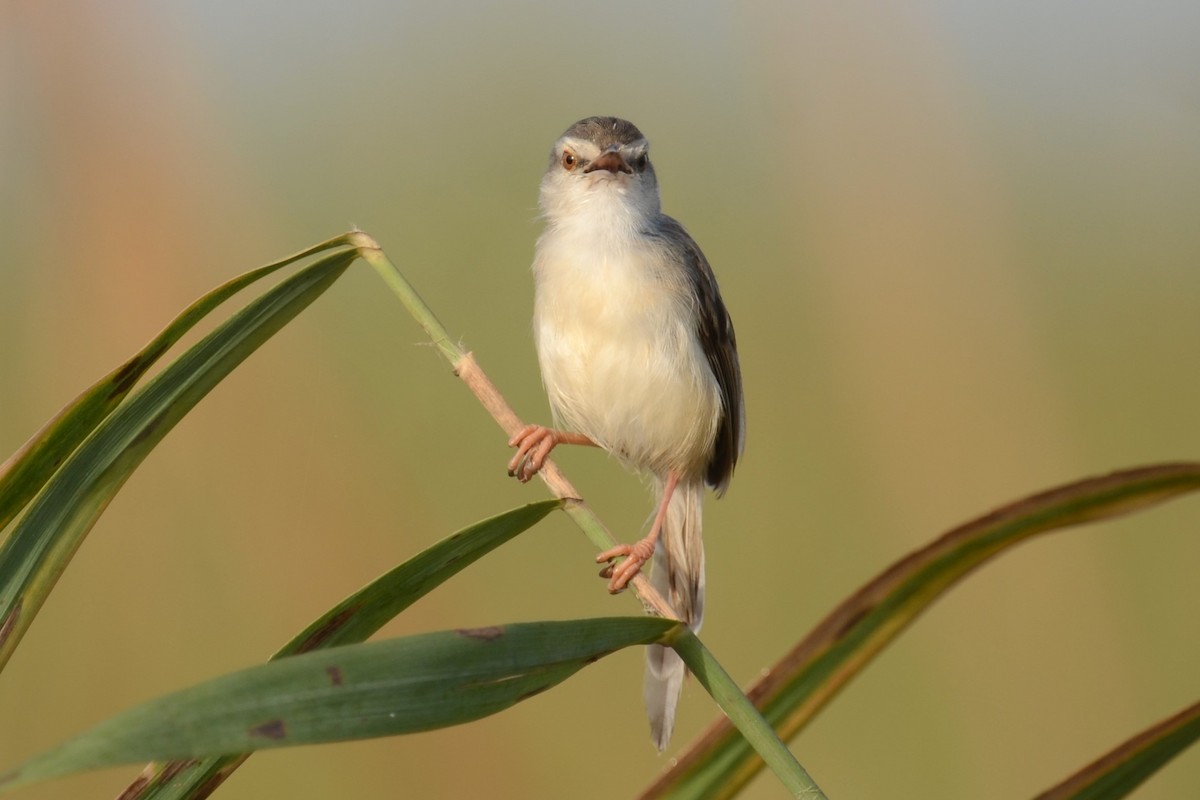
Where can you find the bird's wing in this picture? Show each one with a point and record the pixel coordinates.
(715, 331)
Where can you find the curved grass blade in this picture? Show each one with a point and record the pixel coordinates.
(363, 613)
(406, 685)
(28, 469)
(1119, 772)
(351, 621)
(720, 762)
(44, 540)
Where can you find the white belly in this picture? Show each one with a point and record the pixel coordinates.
(619, 356)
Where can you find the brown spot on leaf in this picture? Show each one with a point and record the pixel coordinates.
(848, 624)
(206, 789)
(275, 729)
(10, 622)
(335, 675)
(335, 623)
(127, 375)
(216, 779)
(148, 431)
(133, 369)
(136, 788)
(173, 768)
(155, 776)
(486, 634)
(532, 692)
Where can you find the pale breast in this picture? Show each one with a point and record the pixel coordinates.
(615, 333)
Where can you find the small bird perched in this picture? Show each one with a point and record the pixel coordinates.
(638, 357)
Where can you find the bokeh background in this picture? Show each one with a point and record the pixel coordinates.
(959, 240)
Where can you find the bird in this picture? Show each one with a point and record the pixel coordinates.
(638, 357)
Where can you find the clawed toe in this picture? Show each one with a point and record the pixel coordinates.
(533, 443)
(619, 575)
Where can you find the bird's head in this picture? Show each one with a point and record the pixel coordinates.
(599, 164)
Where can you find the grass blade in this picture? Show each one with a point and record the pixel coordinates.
(363, 613)
(1119, 772)
(353, 620)
(405, 685)
(27, 470)
(720, 762)
(42, 543)
(742, 714)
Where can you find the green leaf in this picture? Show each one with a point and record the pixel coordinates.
(721, 762)
(1121, 771)
(42, 543)
(405, 685)
(351, 621)
(27, 470)
(366, 611)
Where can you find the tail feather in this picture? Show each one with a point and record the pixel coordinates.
(678, 575)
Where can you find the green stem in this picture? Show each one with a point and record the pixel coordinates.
(742, 713)
(370, 252)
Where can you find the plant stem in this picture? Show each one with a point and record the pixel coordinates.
(467, 369)
(745, 716)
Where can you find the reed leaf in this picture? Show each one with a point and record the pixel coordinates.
(720, 762)
(395, 686)
(351, 621)
(41, 545)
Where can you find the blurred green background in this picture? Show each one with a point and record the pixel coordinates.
(960, 243)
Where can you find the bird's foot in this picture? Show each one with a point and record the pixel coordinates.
(533, 443)
(619, 575)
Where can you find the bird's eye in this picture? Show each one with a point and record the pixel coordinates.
(639, 163)
(569, 161)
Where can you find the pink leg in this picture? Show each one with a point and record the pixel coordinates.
(639, 553)
(534, 443)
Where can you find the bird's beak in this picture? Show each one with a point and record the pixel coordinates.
(611, 161)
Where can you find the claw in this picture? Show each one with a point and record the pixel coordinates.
(533, 443)
(619, 575)
(637, 554)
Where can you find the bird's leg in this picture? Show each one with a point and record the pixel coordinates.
(639, 553)
(534, 443)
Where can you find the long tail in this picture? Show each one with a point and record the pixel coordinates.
(678, 575)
